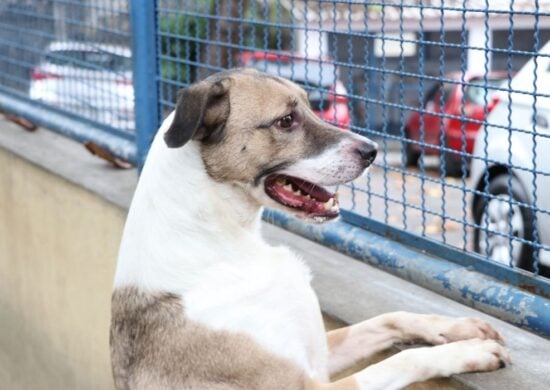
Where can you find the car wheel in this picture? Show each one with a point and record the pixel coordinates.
(453, 165)
(411, 156)
(495, 216)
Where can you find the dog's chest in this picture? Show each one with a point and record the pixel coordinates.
(272, 302)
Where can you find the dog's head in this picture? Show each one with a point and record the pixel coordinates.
(258, 132)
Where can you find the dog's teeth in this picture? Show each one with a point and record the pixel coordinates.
(327, 205)
(288, 187)
(307, 196)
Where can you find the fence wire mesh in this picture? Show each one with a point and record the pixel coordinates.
(73, 55)
(456, 93)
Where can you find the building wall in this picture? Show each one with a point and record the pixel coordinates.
(58, 246)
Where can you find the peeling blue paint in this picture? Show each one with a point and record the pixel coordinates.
(461, 282)
(444, 281)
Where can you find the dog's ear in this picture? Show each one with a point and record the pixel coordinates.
(201, 112)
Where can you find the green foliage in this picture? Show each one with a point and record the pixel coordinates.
(182, 36)
(183, 53)
(261, 36)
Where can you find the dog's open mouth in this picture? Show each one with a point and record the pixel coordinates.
(314, 201)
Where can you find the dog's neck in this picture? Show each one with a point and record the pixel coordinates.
(177, 179)
(181, 220)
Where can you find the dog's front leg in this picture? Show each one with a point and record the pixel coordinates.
(355, 342)
(420, 364)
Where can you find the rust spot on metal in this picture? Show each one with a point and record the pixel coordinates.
(103, 153)
(526, 287)
(22, 122)
(533, 290)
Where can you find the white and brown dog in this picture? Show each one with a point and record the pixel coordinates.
(201, 301)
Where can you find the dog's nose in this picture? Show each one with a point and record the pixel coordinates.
(367, 152)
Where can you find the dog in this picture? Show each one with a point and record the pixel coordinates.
(201, 301)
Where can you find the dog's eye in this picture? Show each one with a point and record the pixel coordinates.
(286, 121)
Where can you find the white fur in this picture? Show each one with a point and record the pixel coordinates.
(420, 364)
(335, 165)
(190, 235)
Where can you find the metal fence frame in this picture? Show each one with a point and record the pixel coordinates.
(509, 293)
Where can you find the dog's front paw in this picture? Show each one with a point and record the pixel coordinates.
(436, 329)
(473, 356)
(420, 364)
(446, 329)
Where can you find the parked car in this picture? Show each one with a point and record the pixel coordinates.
(93, 80)
(506, 157)
(433, 119)
(319, 77)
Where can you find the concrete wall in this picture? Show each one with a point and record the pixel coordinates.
(58, 245)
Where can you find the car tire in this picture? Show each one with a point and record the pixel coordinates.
(453, 165)
(499, 185)
(411, 156)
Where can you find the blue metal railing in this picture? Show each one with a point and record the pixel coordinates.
(456, 92)
(147, 120)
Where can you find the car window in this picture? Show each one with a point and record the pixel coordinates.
(477, 92)
(87, 59)
(310, 73)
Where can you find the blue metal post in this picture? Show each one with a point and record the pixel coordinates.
(144, 49)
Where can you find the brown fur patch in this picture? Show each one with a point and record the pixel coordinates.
(234, 113)
(255, 100)
(153, 346)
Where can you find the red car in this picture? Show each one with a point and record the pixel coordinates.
(434, 114)
(319, 77)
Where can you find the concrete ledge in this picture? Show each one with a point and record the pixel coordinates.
(349, 290)
(70, 160)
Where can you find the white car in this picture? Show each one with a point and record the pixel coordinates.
(513, 166)
(92, 80)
